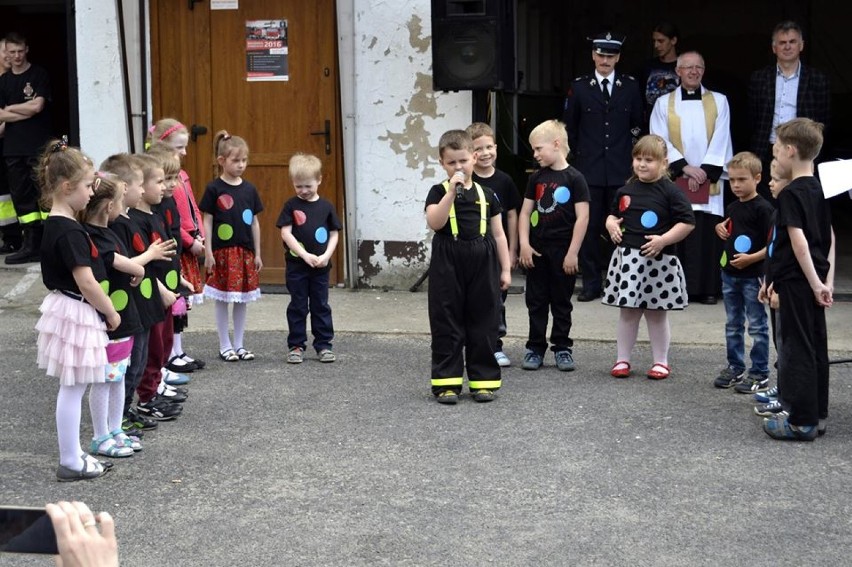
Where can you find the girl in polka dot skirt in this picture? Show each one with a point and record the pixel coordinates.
(649, 215)
(232, 249)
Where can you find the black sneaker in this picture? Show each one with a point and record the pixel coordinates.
(483, 396)
(752, 384)
(170, 394)
(448, 397)
(133, 421)
(728, 378)
(769, 410)
(159, 409)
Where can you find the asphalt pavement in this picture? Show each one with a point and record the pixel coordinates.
(353, 463)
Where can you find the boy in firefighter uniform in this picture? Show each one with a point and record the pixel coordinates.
(468, 268)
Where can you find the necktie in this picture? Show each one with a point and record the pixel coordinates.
(605, 85)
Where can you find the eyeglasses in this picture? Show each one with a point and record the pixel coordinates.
(699, 68)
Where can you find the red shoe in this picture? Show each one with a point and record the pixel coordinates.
(620, 369)
(659, 371)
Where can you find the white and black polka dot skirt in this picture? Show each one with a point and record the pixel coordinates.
(644, 283)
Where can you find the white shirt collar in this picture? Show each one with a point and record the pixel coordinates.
(600, 77)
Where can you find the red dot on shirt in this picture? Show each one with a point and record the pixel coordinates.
(138, 243)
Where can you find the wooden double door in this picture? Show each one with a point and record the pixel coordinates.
(200, 69)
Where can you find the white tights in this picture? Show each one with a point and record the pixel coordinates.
(659, 333)
(69, 403)
(239, 313)
(106, 404)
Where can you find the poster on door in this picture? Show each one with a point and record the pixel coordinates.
(266, 50)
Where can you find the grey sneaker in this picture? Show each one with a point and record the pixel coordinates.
(752, 384)
(532, 361)
(564, 360)
(728, 378)
(295, 356)
(325, 355)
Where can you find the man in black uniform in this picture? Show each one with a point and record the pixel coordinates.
(24, 98)
(603, 113)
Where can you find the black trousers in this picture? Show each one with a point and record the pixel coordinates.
(699, 254)
(596, 248)
(802, 341)
(23, 188)
(549, 290)
(464, 313)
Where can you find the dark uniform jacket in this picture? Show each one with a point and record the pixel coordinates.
(601, 135)
(812, 101)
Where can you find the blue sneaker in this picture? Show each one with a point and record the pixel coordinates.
(785, 431)
(174, 379)
(564, 360)
(769, 395)
(532, 361)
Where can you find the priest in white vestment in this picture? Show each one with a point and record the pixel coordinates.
(695, 123)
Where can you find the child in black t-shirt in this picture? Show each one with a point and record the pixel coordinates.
(551, 228)
(232, 250)
(486, 174)
(309, 228)
(645, 279)
(747, 222)
(801, 257)
(469, 266)
(72, 337)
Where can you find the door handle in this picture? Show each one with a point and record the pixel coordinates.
(196, 130)
(327, 134)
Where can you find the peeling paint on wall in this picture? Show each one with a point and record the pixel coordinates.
(391, 264)
(413, 142)
(415, 31)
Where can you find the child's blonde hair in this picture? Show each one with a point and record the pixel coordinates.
(164, 129)
(551, 131)
(225, 144)
(803, 134)
(166, 156)
(479, 129)
(121, 165)
(60, 162)
(147, 164)
(305, 166)
(104, 191)
(747, 161)
(651, 146)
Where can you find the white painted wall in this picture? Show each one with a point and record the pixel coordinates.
(103, 130)
(396, 120)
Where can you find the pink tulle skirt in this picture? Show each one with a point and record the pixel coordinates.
(72, 340)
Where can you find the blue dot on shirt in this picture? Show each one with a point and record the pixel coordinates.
(562, 195)
(321, 235)
(248, 216)
(742, 244)
(649, 219)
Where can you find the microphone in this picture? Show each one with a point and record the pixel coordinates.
(459, 191)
